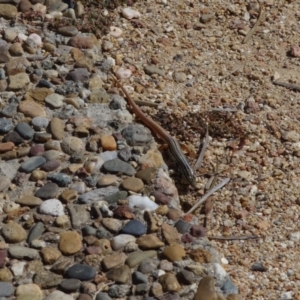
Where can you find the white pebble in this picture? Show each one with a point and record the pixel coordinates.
(123, 73)
(22, 37)
(108, 155)
(141, 202)
(36, 38)
(295, 236)
(219, 272)
(115, 31)
(224, 261)
(10, 207)
(158, 273)
(58, 295)
(38, 244)
(130, 13)
(121, 240)
(52, 207)
(18, 268)
(79, 187)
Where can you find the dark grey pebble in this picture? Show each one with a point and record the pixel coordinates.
(81, 272)
(70, 285)
(46, 65)
(13, 137)
(6, 289)
(79, 74)
(102, 296)
(138, 277)
(258, 267)
(24, 130)
(137, 135)
(9, 110)
(48, 191)
(148, 265)
(125, 154)
(51, 165)
(60, 179)
(88, 230)
(45, 83)
(91, 181)
(198, 231)
(186, 277)
(102, 233)
(182, 226)
(42, 137)
(35, 232)
(6, 125)
(38, 72)
(32, 163)
(116, 165)
(134, 227)
(84, 297)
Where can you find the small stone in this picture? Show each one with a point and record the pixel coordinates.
(4, 147)
(123, 212)
(174, 252)
(72, 145)
(60, 179)
(69, 195)
(149, 241)
(114, 260)
(119, 274)
(138, 278)
(170, 234)
(35, 232)
(130, 13)
(58, 295)
(5, 275)
(136, 258)
(78, 74)
(63, 222)
(50, 255)
(31, 109)
(13, 233)
(108, 142)
(13, 137)
(107, 180)
(117, 165)
(148, 265)
(102, 296)
(3, 256)
(18, 81)
(24, 130)
(134, 227)
(113, 225)
(16, 49)
(160, 198)
(70, 285)
(182, 226)
(68, 30)
(206, 289)
(37, 150)
(133, 184)
(120, 241)
(48, 191)
(70, 243)
(152, 69)
(6, 125)
(46, 279)
(169, 283)
(8, 11)
(146, 174)
(79, 215)
(40, 123)
(81, 42)
(6, 289)
(21, 252)
(29, 289)
(51, 165)
(52, 207)
(32, 163)
(81, 272)
(201, 255)
(57, 128)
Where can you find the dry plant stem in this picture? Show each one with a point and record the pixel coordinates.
(145, 103)
(232, 238)
(253, 29)
(287, 85)
(208, 194)
(199, 160)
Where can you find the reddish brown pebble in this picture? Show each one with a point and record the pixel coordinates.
(50, 165)
(188, 218)
(93, 250)
(198, 231)
(37, 150)
(161, 198)
(3, 255)
(187, 238)
(123, 211)
(174, 214)
(6, 146)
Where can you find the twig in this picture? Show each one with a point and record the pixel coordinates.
(234, 70)
(200, 158)
(208, 194)
(253, 29)
(232, 238)
(287, 85)
(145, 103)
(37, 57)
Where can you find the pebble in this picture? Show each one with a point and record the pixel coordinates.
(149, 241)
(133, 184)
(24, 130)
(134, 259)
(206, 289)
(57, 128)
(40, 123)
(107, 180)
(130, 13)
(6, 125)
(182, 226)
(35, 232)
(81, 272)
(13, 137)
(120, 241)
(70, 285)
(72, 145)
(6, 289)
(102, 296)
(169, 283)
(50, 255)
(50, 166)
(60, 179)
(134, 227)
(13, 233)
(142, 202)
(118, 166)
(32, 163)
(54, 100)
(21, 252)
(52, 207)
(70, 243)
(114, 260)
(174, 252)
(48, 191)
(58, 295)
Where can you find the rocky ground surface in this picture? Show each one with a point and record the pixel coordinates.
(90, 208)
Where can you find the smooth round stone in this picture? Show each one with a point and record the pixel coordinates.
(47, 84)
(81, 272)
(37, 175)
(133, 184)
(35, 232)
(119, 274)
(69, 195)
(121, 240)
(84, 297)
(31, 109)
(70, 243)
(6, 289)
(13, 233)
(206, 289)
(174, 252)
(52, 207)
(49, 190)
(42, 137)
(102, 296)
(24, 130)
(118, 166)
(107, 180)
(88, 230)
(72, 145)
(169, 283)
(21, 252)
(182, 226)
(29, 290)
(32, 163)
(6, 125)
(37, 150)
(187, 277)
(134, 259)
(58, 295)
(40, 123)
(134, 227)
(161, 198)
(141, 202)
(30, 201)
(149, 241)
(60, 179)
(53, 145)
(52, 155)
(138, 277)
(57, 128)
(113, 225)
(55, 100)
(148, 265)
(51, 165)
(70, 285)
(13, 137)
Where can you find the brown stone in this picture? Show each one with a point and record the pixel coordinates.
(201, 255)
(50, 255)
(170, 233)
(149, 241)
(8, 11)
(81, 42)
(38, 94)
(70, 242)
(174, 252)
(133, 184)
(114, 260)
(6, 146)
(31, 109)
(206, 289)
(57, 127)
(108, 142)
(169, 283)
